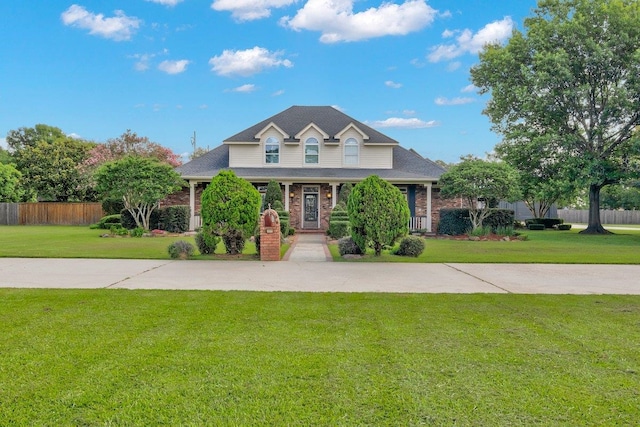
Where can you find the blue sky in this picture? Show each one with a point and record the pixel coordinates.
(167, 68)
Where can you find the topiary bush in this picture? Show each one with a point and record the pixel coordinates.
(181, 250)
(564, 227)
(106, 222)
(338, 229)
(347, 246)
(547, 222)
(499, 218)
(411, 246)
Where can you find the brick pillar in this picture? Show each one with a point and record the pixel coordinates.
(269, 236)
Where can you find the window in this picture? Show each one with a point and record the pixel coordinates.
(311, 151)
(272, 150)
(351, 152)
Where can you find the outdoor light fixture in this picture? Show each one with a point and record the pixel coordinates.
(328, 195)
(291, 194)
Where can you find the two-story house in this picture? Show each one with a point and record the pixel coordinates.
(311, 151)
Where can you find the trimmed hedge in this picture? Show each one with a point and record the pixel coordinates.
(547, 222)
(564, 227)
(106, 222)
(174, 219)
(534, 226)
(338, 229)
(456, 221)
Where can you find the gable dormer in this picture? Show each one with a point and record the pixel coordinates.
(272, 126)
(311, 126)
(348, 132)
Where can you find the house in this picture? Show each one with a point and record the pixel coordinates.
(311, 151)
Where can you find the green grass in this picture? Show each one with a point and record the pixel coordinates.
(82, 242)
(549, 246)
(116, 357)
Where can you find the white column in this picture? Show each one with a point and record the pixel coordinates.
(286, 195)
(429, 185)
(334, 194)
(192, 205)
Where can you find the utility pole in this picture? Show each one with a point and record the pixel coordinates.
(193, 141)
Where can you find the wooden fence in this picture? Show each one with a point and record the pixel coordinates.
(49, 213)
(606, 216)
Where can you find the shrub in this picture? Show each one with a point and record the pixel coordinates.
(233, 241)
(106, 222)
(181, 250)
(118, 230)
(112, 206)
(485, 230)
(206, 242)
(454, 221)
(137, 232)
(547, 222)
(411, 246)
(499, 218)
(505, 231)
(535, 226)
(175, 219)
(272, 196)
(564, 227)
(338, 229)
(347, 246)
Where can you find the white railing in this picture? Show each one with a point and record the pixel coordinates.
(418, 223)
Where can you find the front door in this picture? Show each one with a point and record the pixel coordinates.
(310, 219)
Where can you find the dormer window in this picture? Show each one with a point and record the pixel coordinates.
(311, 151)
(351, 152)
(272, 150)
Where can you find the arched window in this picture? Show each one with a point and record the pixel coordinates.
(272, 150)
(311, 151)
(351, 152)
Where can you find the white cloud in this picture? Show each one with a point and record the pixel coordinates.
(399, 122)
(120, 27)
(453, 101)
(339, 23)
(174, 67)
(249, 10)
(409, 112)
(247, 62)
(467, 42)
(248, 88)
(278, 92)
(3, 142)
(448, 34)
(74, 135)
(170, 3)
(392, 84)
(452, 66)
(468, 89)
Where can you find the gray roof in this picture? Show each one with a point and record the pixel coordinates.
(296, 118)
(408, 166)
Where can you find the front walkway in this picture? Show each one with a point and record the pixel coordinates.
(309, 247)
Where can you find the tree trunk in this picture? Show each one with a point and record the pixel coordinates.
(594, 226)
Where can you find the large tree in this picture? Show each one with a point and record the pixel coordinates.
(10, 187)
(139, 182)
(230, 209)
(480, 183)
(378, 214)
(50, 162)
(131, 144)
(570, 84)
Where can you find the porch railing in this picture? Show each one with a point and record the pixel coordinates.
(417, 223)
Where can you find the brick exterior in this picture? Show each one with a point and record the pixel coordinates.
(295, 205)
(269, 236)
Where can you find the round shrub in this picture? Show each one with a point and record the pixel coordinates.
(206, 243)
(347, 246)
(181, 250)
(411, 246)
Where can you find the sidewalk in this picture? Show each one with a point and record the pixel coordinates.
(311, 276)
(308, 247)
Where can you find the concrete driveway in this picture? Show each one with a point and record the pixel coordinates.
(304, 276)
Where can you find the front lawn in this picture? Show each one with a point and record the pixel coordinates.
(81, 242)
(119, 357)
(548, 246)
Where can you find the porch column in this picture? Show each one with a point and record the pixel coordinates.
(429, 185)
(286, 195)
(334, 194)
(192, 205)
